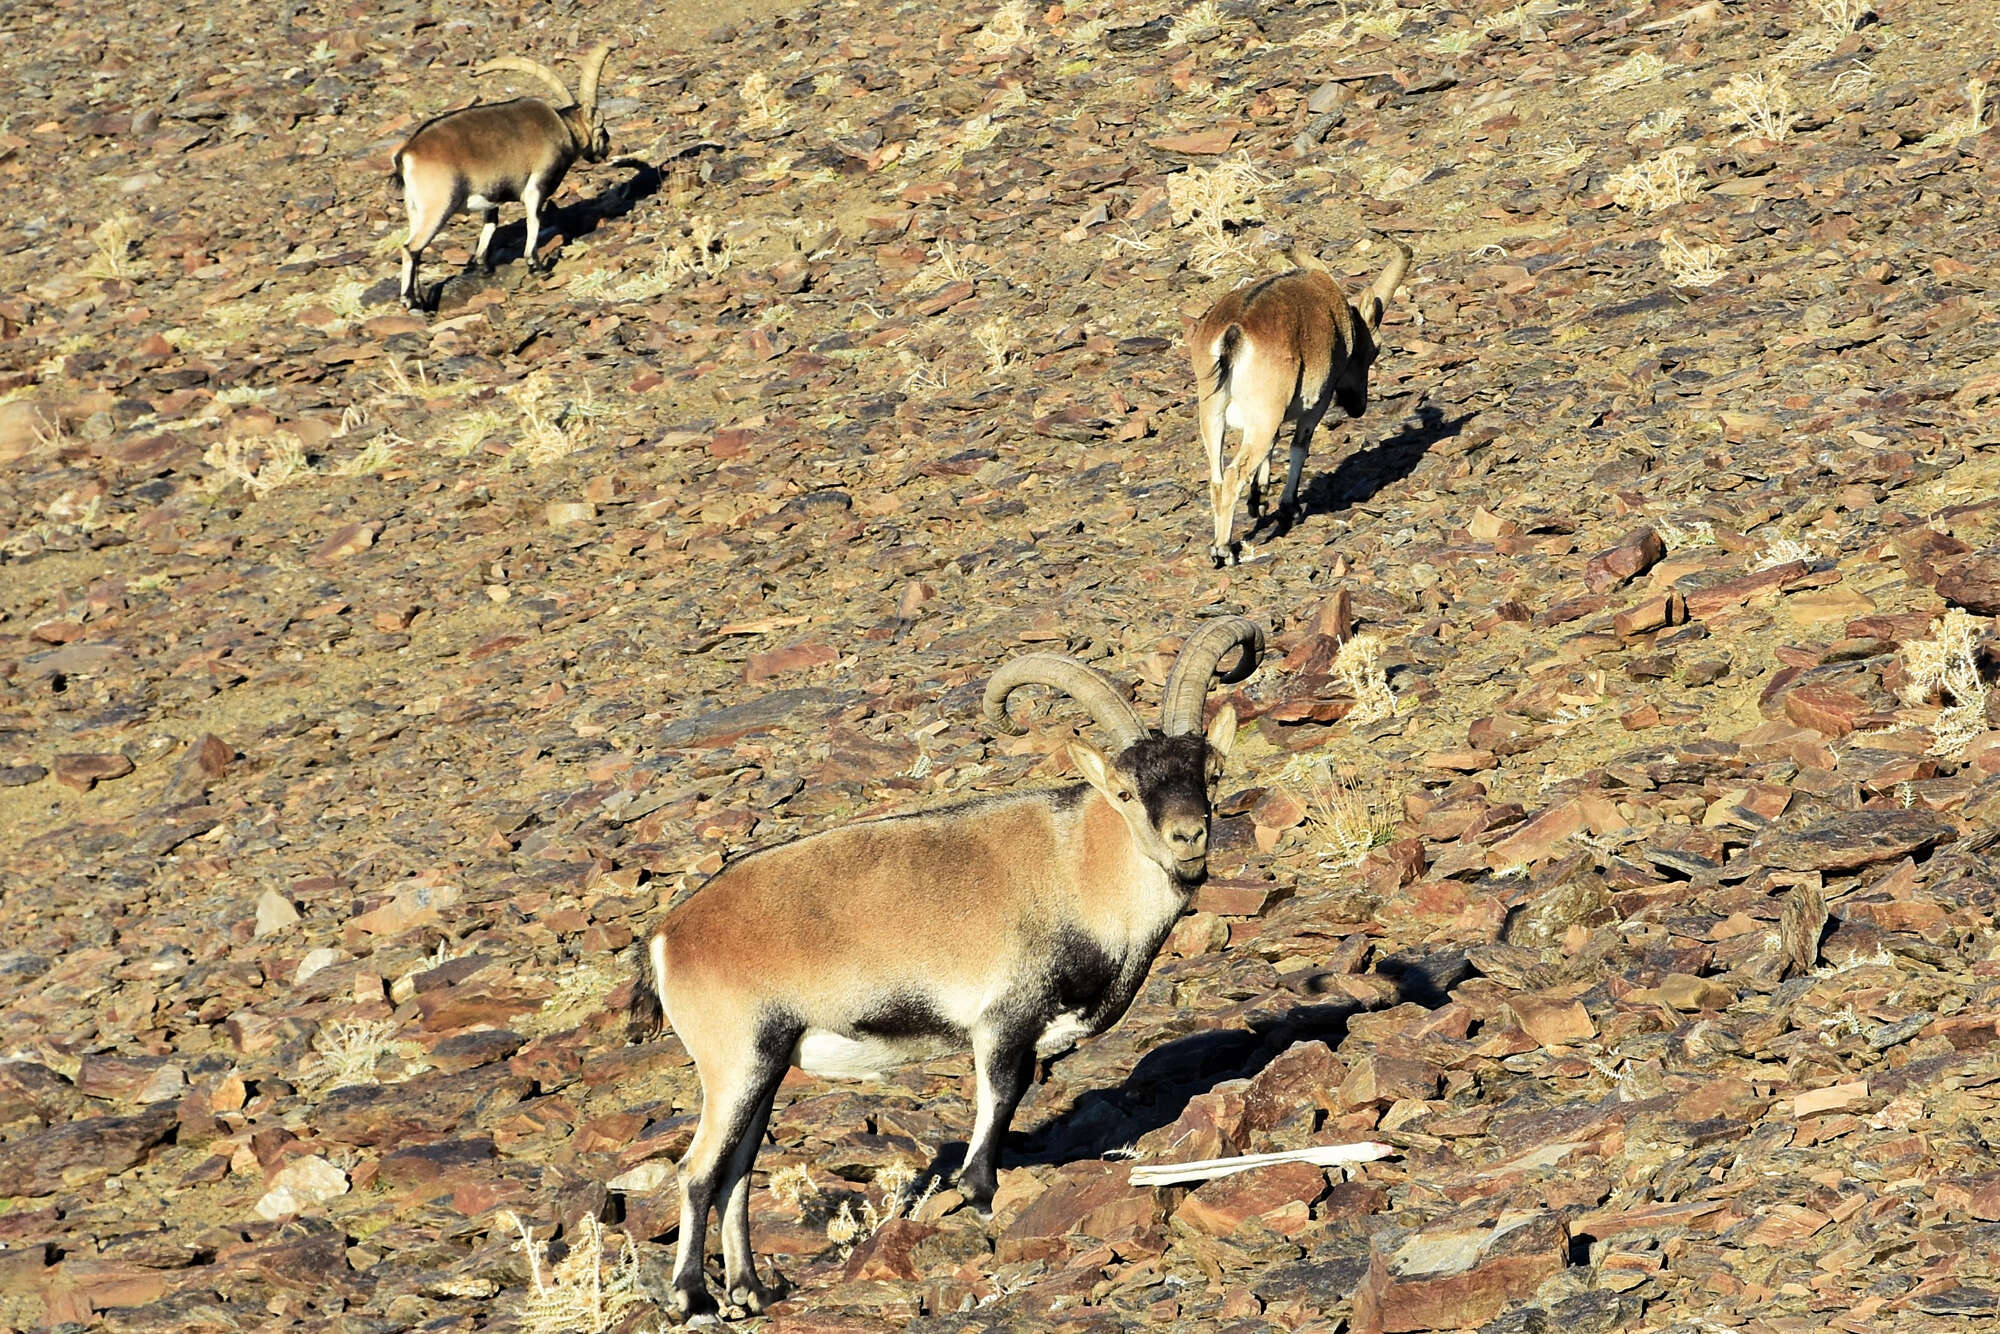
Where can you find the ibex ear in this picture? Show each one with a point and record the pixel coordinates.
(1371, 311)
(1100, 772)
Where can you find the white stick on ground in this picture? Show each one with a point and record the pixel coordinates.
(1320, 1155)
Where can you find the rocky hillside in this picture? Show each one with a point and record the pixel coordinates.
(1610, 834)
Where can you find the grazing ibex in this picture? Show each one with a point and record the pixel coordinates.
(1281, 349)
(481, 157)
(1013, 925)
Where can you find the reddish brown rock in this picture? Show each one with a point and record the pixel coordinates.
(348, 540)
(1848, 842)
(1302, 1079)
(88, 1149)
(1094, 1198)
(84, 772)
(779, 662)
(1972, 583)
(890, 1252)
(1828, 710)
(1220, 1207)
(1455, 1279)
(1636, 552)
(1378, 1080)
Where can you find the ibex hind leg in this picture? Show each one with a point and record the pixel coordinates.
(737, 1086)
(746, 1292)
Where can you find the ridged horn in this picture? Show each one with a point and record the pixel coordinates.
(593, 65)
(1301, 258)
(1392, 277)
(523, 65)
(1194, 671)
(1083, 684)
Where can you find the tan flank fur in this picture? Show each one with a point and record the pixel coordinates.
(481, 157)
(1280, 350)
(1011, 925)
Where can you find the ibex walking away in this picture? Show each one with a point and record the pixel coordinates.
(1281, 349)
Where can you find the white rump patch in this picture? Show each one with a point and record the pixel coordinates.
(1061, 1034)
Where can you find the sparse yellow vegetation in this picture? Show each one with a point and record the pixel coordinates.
(1012, 28)
(1347, 816)
(1946, 667)
(260, 468)
(1642, 67)
(576, 1295)
(348, 1053)
(114, 240)
(1973, 122)
(1197, 23)
(1658, 125)
(1691, 265)
(762, 109)
(1837, 18)
(1358, 667)
(996, 340)
(1207, 200)
(1657, 182)
(1762, 103)
(551, 427)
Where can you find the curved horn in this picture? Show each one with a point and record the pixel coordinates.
(1392, 277)
(1301, 258)
(593, 65)
(1188, 683)
(523, 65)
(1083, 684)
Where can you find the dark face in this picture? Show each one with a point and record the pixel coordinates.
(600, 145)
(1174, 778)
(1350, 386)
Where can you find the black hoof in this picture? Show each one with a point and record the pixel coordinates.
(692, 1305)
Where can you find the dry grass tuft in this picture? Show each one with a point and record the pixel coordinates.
(348, 1053)
(259, 469)
(1837, 18)
(1358, 667)
(1347, 816)
(1972, 123)
(576, 1296)
(1207, 200)
(996, 339)
(378, 455)
(1696, 265)
(1197, 23)
(1657, 183)
(551, 427)
(1946, 666)
(1386, 20)
(1638, 69)
(1782, 550)
(580, 989)
(1761, 103)
(113, 242)
(1012, 28)
(762, 109)
(1658, 125)
(795, 1188)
